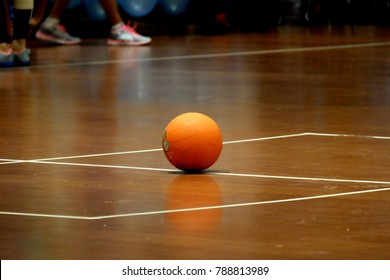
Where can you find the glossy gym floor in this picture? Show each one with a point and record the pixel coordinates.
(304, 171)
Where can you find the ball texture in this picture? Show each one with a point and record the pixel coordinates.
(192, 142)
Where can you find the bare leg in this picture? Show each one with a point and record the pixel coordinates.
(59, 7)
(111, 9)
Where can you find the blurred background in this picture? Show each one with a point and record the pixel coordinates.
(86, 18)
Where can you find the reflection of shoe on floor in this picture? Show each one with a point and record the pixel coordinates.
(124, 35)
(57, 34)
(6, 58)
(22, 58)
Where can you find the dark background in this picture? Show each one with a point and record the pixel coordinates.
(224, 16)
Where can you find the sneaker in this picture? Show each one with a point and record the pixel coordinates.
(126, 36)
(6, 58)
(57, 34)
(22, 58)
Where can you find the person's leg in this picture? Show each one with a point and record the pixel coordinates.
(110, 7)
(6, 54)
(51, 30)
(56, 12)
(22, 10)
(58, 9)
(39, 10)
(5, 26)
(121, 34)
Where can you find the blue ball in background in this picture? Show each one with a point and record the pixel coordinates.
(94, 9)
(137, 8)
(174, 7)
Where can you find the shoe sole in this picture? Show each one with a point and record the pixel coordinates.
(42, 36)
(7, 64)
(22, 63)
(112, 42)
(7, 59)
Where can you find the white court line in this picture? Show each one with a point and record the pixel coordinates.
(11, 161)
(217, 55)
(103, 166)
(219, 173)
(297, 178)
(215, 173)
(100, 155)
(265, 176)
(346, 135)
(50, 161)
(160, 149)
(196, 208)
(265, 138)
(225, 143)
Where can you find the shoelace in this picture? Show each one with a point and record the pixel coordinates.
(21, 51)
(61, 28)
(131, 28)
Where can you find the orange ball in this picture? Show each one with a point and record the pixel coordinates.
(192, 142)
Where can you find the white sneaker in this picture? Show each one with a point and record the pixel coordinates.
(125, 35)
(57, 34)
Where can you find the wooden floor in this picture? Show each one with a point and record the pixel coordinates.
(305, 167)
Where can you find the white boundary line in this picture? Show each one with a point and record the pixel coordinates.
(103, 166)
(217, 55)
(297, 178)
(100, 155)
(265, 138)
(51, 162)
(48, 161)
(195, 209)
(345, 135)
(160, 149)
(9, 161)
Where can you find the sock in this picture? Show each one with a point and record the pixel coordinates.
(116, 26)
(5, 49)
(50, 22)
